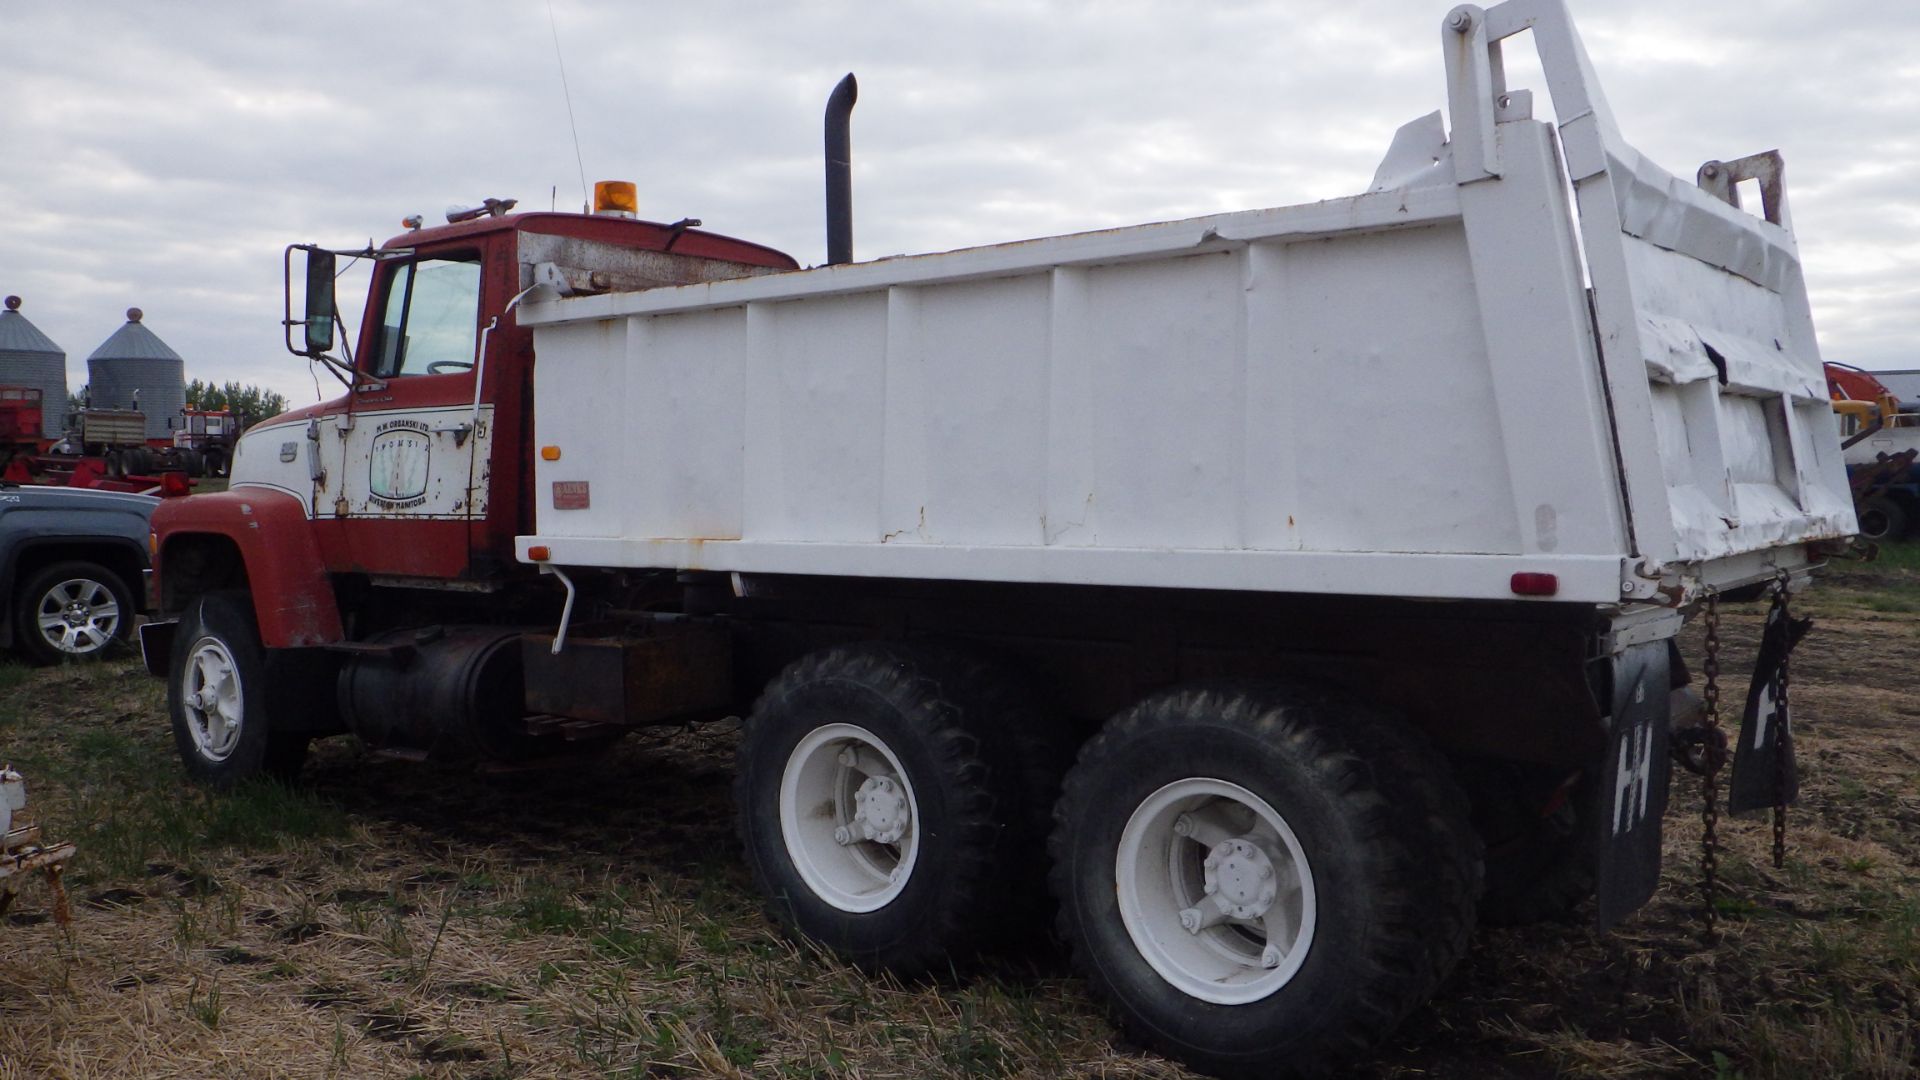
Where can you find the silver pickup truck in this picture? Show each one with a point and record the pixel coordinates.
(73, 566)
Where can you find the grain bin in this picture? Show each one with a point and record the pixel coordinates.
(29, 358)
(135, 360)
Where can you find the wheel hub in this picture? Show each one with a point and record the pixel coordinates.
(78, 614)
(882, 816)
(1240, 878)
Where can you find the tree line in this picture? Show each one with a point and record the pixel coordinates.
(256, 402)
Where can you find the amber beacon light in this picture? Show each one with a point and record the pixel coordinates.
(616, 197)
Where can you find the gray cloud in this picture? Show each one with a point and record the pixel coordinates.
(163, 155)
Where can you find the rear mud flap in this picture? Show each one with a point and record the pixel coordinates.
(1764, 771)
(1632, 798)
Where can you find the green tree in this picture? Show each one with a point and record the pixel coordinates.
(256, 402)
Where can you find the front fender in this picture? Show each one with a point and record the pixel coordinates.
(271, 535)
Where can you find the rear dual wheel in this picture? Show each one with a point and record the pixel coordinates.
(1262, 879)
(890, 800)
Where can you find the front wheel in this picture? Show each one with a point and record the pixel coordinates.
(1262, 879)
(218, 695)
(72, 611)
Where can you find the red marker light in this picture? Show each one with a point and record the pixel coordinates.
(539, 553)
(1531, 584)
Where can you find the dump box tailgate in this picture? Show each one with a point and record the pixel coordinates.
(1721, 421)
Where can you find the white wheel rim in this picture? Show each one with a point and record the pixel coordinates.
(210, 696)
(851, 859)
(1245, 934)
(78, 615)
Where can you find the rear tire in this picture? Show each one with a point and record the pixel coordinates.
(1881, 519)
(875, 785)
(221, 696)
(1262, 879)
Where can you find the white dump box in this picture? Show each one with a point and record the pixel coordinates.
(1524, 350)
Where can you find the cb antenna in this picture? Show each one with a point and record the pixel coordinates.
(554, 25)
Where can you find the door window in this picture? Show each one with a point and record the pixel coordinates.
(428, 325)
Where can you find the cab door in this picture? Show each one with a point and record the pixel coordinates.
(403, 490)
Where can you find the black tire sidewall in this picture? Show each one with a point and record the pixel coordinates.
(228, 618)
(27, 608)
(1894, 514)
(1344, 881)
(928, 912)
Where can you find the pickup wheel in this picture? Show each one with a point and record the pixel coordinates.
(1881, 518)
(1262, 879)
(72, 611)
(219, 693)
(881, 804)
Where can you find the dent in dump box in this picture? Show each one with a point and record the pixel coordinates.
(608, 677)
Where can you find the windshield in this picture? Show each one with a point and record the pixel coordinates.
(428, 320)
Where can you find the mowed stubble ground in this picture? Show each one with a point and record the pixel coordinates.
(389, 919)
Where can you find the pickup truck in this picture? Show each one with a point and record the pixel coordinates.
(73, 567)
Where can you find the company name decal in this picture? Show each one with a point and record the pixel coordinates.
(397, 464)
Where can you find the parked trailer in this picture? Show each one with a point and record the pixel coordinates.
(29, 455)
(1049, 576)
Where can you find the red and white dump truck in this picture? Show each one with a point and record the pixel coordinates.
(1051, 574)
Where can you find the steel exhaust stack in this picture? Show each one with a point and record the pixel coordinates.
(840, 171)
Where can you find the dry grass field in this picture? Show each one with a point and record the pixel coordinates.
(388, 919)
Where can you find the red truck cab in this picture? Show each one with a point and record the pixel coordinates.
(417, 476)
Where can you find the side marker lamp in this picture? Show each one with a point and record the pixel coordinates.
(1535, 584)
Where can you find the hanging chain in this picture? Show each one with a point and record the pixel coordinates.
(1710, 777)
(1785, 737)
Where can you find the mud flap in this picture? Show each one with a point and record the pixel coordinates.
(156, 645)
(1764, 771)
(1632, 798)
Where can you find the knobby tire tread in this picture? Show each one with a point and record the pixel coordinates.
(1425, 866)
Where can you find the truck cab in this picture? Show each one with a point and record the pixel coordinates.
(416, 476)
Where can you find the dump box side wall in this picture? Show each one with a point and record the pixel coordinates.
(1171, 392)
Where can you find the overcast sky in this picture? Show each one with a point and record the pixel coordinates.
(162, 155)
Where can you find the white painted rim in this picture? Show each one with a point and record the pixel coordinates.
(210, 695)
(79, 616)
(1160, 873)
(819, 796)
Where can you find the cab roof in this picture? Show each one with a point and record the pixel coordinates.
(626, 232)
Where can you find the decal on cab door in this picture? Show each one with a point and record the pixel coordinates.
(413, 463)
